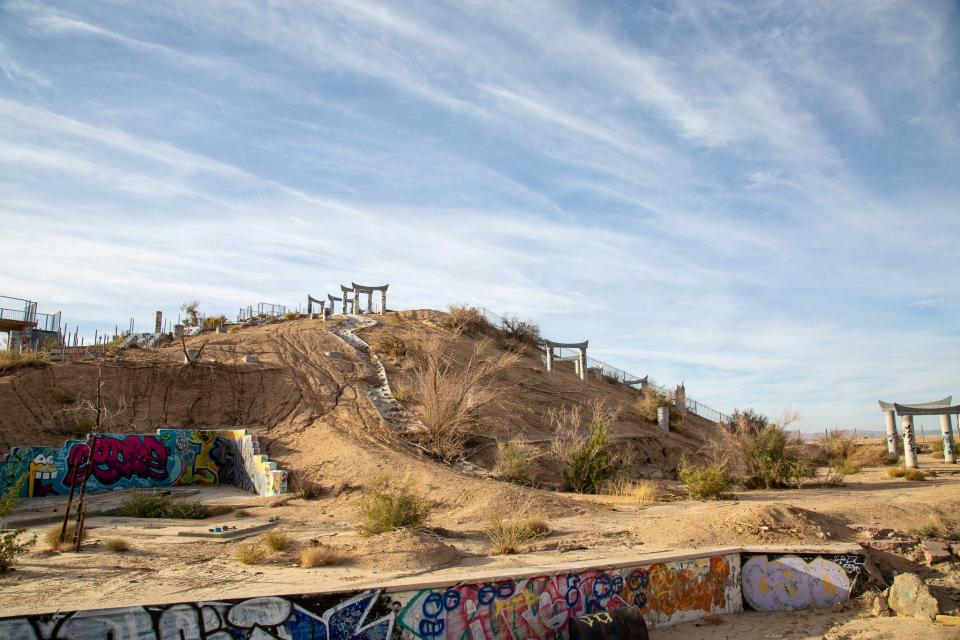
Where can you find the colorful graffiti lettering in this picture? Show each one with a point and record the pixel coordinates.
(174, 457)
(791, 582)
(542, 607)
(365, 616)
(119, 457)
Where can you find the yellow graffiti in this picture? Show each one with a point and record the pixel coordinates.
(602, 617)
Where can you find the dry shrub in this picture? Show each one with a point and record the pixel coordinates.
(450, 393)
(639, 492)
(845, 453)
(937, 527)
(758, 453)
(514, 460)
(117, 545)
(462, 319)
(234, 328)
(896, 472)
(705, 483)
(388, 505)
(52, 537)
(508, 535)
(393, 348)
(320, 556)
(652, 399)
(517, 335)
(251, 553)
(291, 315)
(276, 541)
(936, 446)
(211, 323)
(11, 360)
(914, 475)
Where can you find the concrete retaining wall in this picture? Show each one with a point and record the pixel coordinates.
(667, 591)
(172, 458)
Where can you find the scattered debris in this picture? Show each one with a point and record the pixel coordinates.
(935, 551)
(910, 596)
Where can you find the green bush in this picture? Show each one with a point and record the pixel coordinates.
(591, 464)
(772, 460)
(707, 483)
(513, 461)
(11, 545)
(385, 508)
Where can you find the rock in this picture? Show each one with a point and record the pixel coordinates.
(893, 544)
(951, 620)
(870, 531)
(909, 596)
(935, 551)
(333, 354)
(880, 607)
(250, 359)
(836, 607)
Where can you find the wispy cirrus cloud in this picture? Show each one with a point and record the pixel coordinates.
(755, 199)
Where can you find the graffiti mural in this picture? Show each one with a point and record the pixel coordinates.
(542, 607)
(173, 457)
(791, 582)
(364, 616)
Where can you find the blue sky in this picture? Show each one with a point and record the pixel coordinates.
(760, 199)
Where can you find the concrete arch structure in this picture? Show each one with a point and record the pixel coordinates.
(580, 360)
(360, 288)
(906, 413)
(349, 299)
(312, 302)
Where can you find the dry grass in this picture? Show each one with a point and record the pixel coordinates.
(11, 360)
(508, 535)
(651, 400)
(117, 545)
(639, 492)
(450, 393)
(234, 328)
(320, 556)
(52, 538)
(276, 540)
(389, 505)
(845, 453)
(938, 527)
(915, 475)
(251, 553)
(896, 472)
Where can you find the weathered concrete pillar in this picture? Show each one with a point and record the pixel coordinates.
(370, 301)
(663, 418)
(909, 443)
(946, 430)
(158, 323)
(893, 450)
(583, 365)
(549, 359)
(356, 302)
(383, 301)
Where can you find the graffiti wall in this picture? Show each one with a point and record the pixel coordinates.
(542, 607)
(549, 607)
(791, 582)
(362, 616)
(171, 458)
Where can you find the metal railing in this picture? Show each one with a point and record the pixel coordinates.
(25, 311)
(262, 309)
(619, 375)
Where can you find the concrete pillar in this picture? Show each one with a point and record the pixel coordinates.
(583, 365)
(356, 302)
(549, 359)
(158, 324)
(909, 443)
(370, 301)
(383, 301)
(893, 451)
(946, 430)
(663, 418)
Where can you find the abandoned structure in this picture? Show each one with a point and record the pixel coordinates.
(359, 288)
(313, 302)
(906, 412)
(25, 327)
(580, 359)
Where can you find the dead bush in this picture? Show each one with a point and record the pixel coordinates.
(320, 556)
(393, 348)
(116, 545)
(52, 537)
(509, 534)
(450, 393)
(251, 553)
(639, 492)
(462, 319)
(517, 335)
(276, 540)
(581, 445)
(211, 323)
(652, 399)
(11, 360)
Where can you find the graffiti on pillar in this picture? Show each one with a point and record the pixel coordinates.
(172, 457)
(365, 616)
(949, 452)
(792, 582)
(543, 606)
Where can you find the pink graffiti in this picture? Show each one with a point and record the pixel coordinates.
(115, 458)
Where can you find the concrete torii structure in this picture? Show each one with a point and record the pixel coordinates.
(906, 413)
(313, 301)
(889, 409)
(349, 299)
(359, 288)
(580, 360)
(333, 300)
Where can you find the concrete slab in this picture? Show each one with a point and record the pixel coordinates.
(935, 551)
